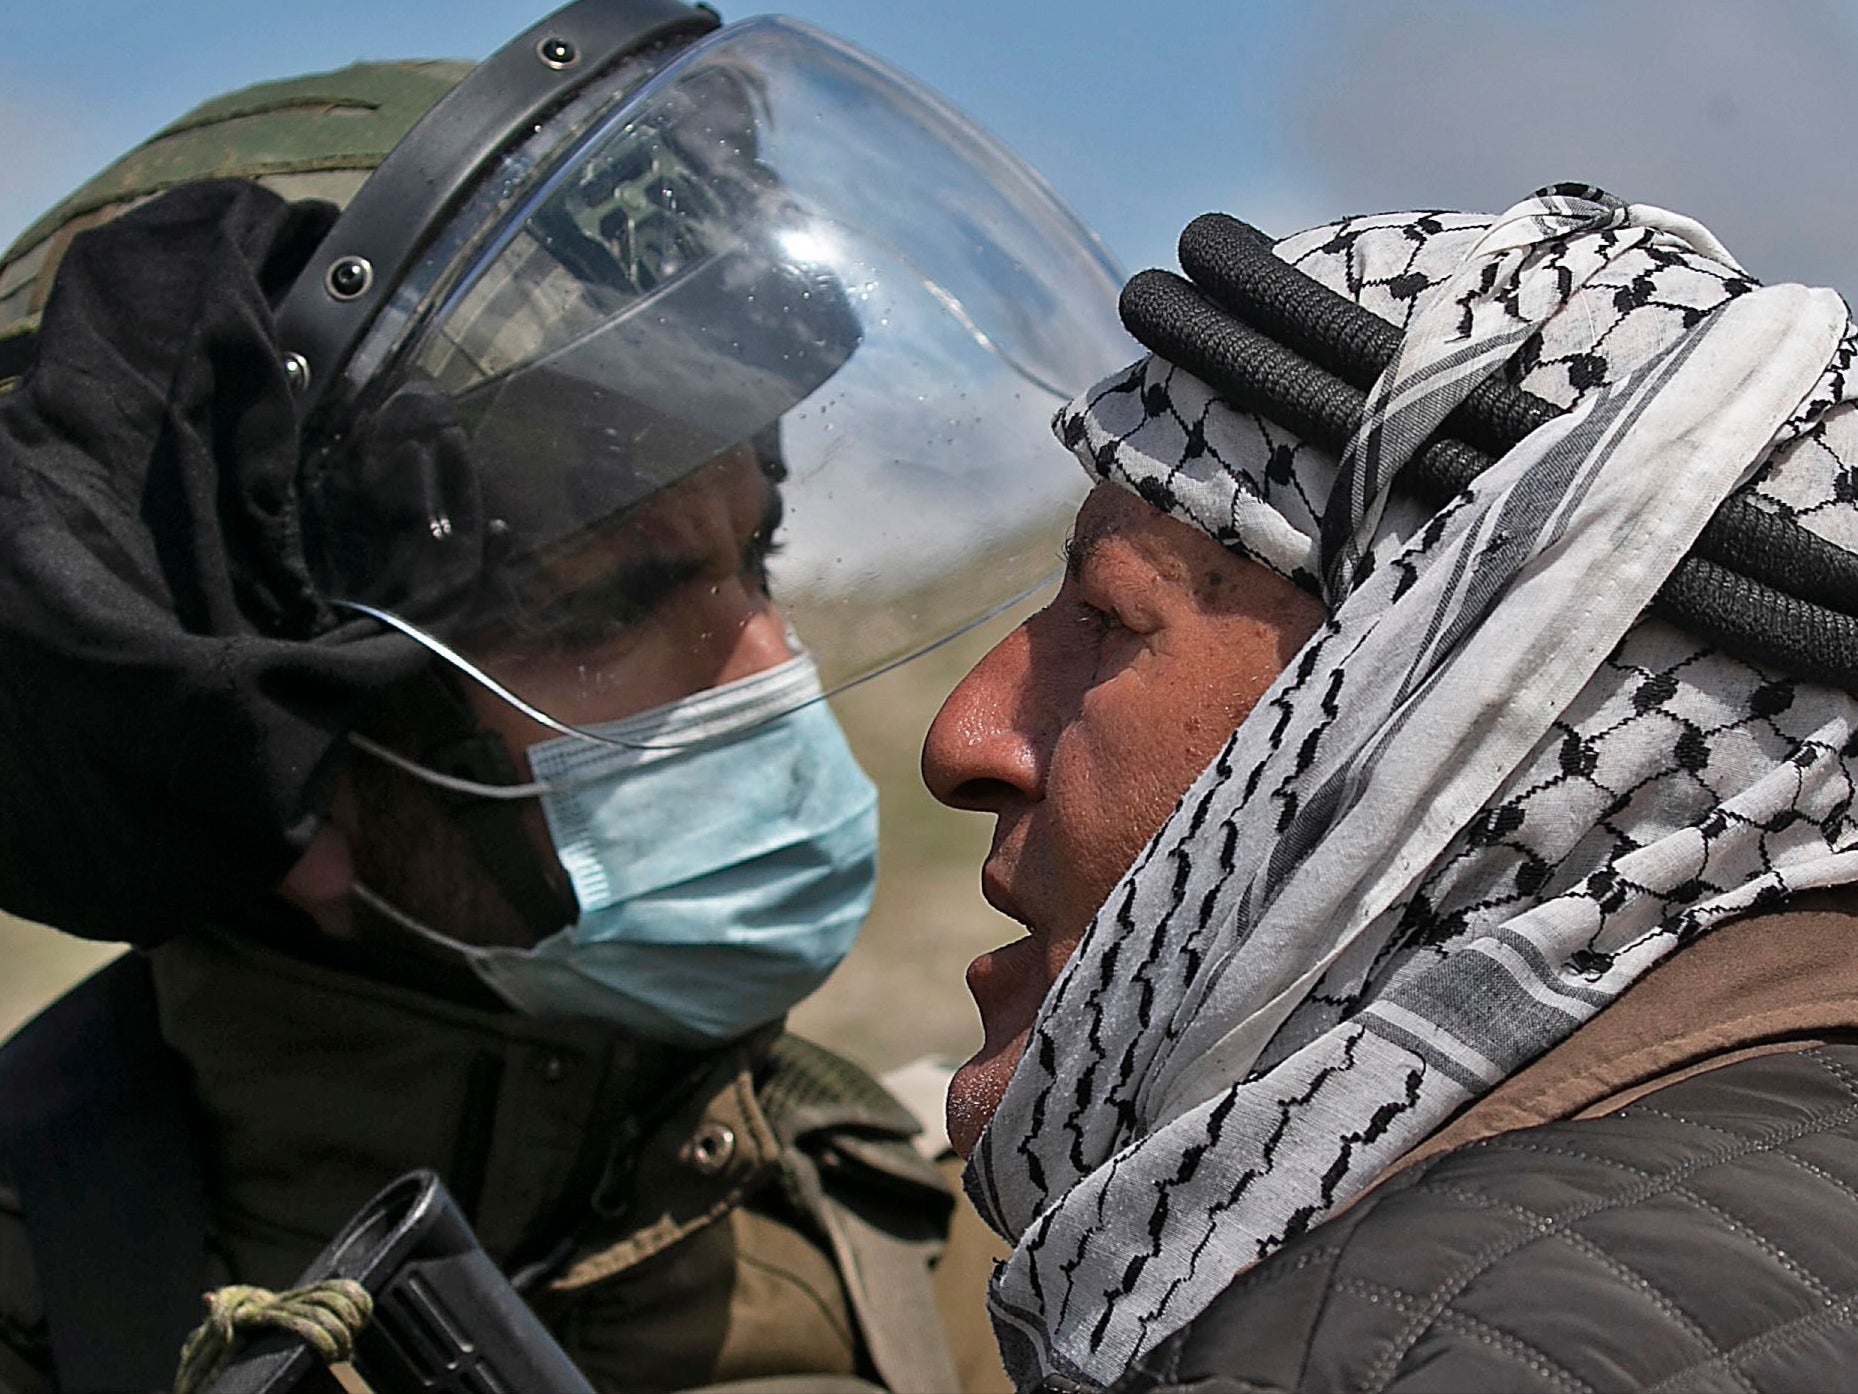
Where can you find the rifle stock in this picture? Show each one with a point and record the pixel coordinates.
(445, 1319)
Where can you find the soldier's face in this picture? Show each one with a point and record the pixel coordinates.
(669, 601)
(666, 602)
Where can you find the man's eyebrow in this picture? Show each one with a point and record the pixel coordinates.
(631, 591)
(1079, 548)
(648, 583)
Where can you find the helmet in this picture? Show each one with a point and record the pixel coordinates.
(629, 258)
(599, 267)
(312, 137)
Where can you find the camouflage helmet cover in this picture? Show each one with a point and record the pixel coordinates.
(313, 137)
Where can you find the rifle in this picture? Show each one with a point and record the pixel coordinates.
(445, 1320)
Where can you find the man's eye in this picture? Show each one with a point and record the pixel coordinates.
(589, 623)
(1103, 621)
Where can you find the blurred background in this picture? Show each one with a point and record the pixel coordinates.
(1287, 112)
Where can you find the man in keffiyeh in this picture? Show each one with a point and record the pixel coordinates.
(1430, 802)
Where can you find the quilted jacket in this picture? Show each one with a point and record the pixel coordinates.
(1703, 1238)
(1667, 1201)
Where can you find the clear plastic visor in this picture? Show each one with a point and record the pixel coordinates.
(765, 357)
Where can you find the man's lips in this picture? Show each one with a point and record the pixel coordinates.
(995, 893)
(1002, 970)
(1008, 986)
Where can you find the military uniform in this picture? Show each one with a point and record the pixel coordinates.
(322, 347)
(677, 1220)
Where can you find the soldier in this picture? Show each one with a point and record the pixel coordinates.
(438, 499)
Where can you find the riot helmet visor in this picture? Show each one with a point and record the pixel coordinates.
(779, 318)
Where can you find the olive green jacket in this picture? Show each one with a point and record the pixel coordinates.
(676, 1223)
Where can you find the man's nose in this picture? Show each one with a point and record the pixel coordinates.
(982, 751)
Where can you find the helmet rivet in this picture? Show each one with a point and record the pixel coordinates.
(350, 277)
(557, 52)
(297, 372)
(709, 1149)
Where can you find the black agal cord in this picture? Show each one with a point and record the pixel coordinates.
(1279, 343)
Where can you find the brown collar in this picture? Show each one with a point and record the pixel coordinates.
(318, 1087)
(1763, 983)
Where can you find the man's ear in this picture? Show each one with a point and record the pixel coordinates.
(324, 876)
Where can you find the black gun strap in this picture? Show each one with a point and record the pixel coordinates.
(98, 1130)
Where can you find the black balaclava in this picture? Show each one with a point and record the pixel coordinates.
(174, 693)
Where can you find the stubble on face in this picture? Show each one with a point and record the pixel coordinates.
(1081, 731)
(648, 608)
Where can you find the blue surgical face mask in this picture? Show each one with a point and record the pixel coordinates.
(723, 855)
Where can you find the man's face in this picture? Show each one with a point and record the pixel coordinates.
(1081, 731)
(668, 601)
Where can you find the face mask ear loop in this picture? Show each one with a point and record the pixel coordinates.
(451, 783)
(427, 775)
(478, 789)
(387, 910)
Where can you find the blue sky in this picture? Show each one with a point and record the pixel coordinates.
(1144, 115)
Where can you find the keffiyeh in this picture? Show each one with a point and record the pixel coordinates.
(1490, 793)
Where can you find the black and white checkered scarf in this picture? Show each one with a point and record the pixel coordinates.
(1489, 794)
